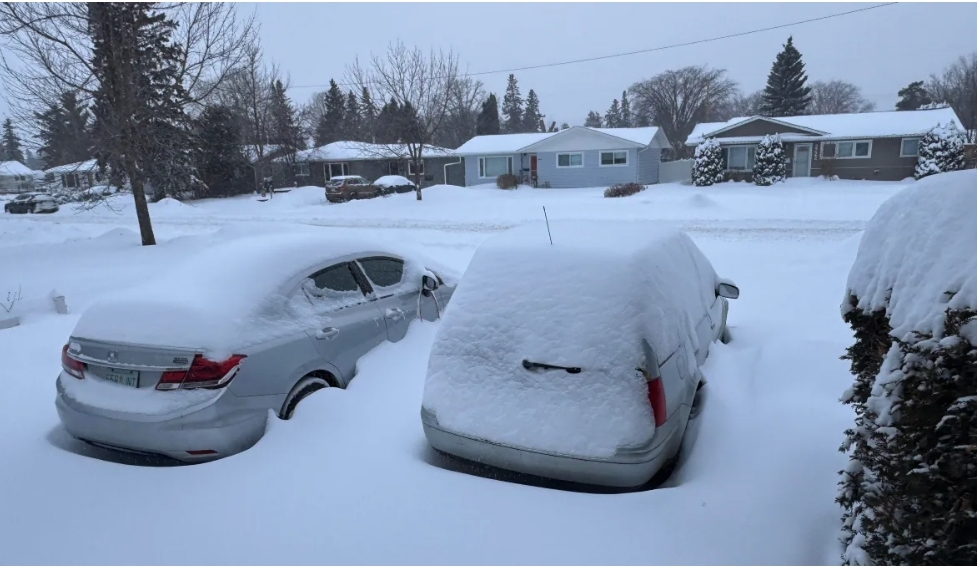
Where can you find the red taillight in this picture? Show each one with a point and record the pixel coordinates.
(203, 373)
(656, 396)
(71, 366)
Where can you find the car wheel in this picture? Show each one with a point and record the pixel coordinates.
(33, 209)
(305, 387)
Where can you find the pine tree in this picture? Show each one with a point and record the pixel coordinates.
(532, 118)
(612, 118)
(786, 93)
(10, 149)
(770, 165)
(220, 162)
(707, 169)
(65, 132)
(593, 120)
(352, 120)
(488, 118)
(512, 121)
(368, 116)
(912, 97)
(388, 123)
(627, 121)
(330, 127)
(564, 126)
(940, 150)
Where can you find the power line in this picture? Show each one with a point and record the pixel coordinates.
(649, 50)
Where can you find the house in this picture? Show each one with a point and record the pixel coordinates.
(349, 158)
(79, 175)
(858, 146)
(15, 177)
(576, 157)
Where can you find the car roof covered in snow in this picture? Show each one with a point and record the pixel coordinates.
(393, 180)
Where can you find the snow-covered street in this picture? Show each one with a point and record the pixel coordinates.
(351, 480)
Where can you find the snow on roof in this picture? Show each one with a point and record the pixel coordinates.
(511, 143)
(86, 166)
(15, 168)
(351, 150)
(585, 301)
(851, 125)
(918, 245)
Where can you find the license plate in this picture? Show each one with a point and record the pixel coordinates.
(123, 377)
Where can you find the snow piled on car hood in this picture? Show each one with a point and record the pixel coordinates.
(586, 301)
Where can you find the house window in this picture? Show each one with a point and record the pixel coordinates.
(494, 166)
(302, 169)
(614, 158)
(910, 148)
(847, 149)
(410, 168)
(739, 157)
(394, 168)
(570, 160)
(338, 169)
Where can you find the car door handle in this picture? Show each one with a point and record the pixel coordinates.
(394, 313)
(327, 333)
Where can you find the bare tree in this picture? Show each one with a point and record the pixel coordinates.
(461, 123)
(837, 97)
(676, 100)
(425, 83)
(957, 87)
(740, 105)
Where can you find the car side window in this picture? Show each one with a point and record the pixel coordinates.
(330, 289)
(383, 271)
(337, 278)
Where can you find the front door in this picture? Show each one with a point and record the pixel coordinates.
(802, 160)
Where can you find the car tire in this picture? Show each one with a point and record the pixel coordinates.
(305, 387)
(33, 209)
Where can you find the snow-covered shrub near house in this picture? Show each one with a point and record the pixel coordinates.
(707, 169)
(940, 150)
(770, 165)
(910, 487)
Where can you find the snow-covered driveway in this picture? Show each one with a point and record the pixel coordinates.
(350, 479)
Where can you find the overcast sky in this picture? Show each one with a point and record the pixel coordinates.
(880, 50)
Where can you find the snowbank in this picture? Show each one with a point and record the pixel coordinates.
(920, 244)
(584, 302)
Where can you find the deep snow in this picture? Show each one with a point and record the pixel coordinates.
(350, 479)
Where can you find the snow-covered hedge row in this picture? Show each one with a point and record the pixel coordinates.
(910, 489)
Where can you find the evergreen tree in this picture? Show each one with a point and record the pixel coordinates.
(612, 118)
(564, 126)
(352, 120)
(786, 93)
(388, 123)
(532, 118)
(912, 97)
(368, 116)
(627, 120)
(593, 120)
(940, 150)
(10, 148)
(488, 118)
(65, 132)
(330, 127)
(707, 169)
(222, 166)
(512, 112)
(770, 165)
(283, 128)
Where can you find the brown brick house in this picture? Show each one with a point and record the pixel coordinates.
(859, 146)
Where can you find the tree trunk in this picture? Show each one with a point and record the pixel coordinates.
(142, 208)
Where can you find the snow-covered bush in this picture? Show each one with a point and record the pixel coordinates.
(770, 165)
(909, 492)
(707, 169)
(623, 190)
(940, 150)
(507, 182)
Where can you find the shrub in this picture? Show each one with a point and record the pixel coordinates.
(507, 181)
(829, 168)
(622, 190)
(770, 165)
(940, 150)
(708, 166)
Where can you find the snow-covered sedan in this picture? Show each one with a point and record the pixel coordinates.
(31, 203)
(187, 366)
(577, 360)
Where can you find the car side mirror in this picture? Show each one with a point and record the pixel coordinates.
(727, 289)
(429, 283)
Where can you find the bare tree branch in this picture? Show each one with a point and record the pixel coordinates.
(837, 97)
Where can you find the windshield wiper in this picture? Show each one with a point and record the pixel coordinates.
(535, 365)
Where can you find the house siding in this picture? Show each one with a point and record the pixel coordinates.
(758, 128)
(588, 176)
(471, 168)
(649, 164)
(373, 169)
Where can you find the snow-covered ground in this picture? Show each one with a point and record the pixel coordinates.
(350, 480)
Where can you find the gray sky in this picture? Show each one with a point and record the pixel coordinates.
(880, 50)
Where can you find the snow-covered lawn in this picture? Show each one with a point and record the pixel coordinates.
(350, 480)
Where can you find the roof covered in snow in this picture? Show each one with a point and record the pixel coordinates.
(346, 150)
(86, 166)
(514, 143)
(851, 125)
(15, 168)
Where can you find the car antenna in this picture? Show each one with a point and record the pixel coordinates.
(546, 217)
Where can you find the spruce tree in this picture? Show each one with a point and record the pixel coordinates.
(223, 168)
(368, 116)
(940, 150)
(283, 128)
(11, 149)
(65, 131)
(388, 123)
(352, 120)
(770, 164)
(512, 121)
(593, 120)
(912, 97)
(627, 121)
(787, 93)
(612, 118)
(532, 118)
(488, 118)
(564, 126)
(330, 127)
(707, 169)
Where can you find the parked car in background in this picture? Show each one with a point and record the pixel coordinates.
(577, 360)
(31, 203)
(345, 188)
(188, 366)
(394, 185)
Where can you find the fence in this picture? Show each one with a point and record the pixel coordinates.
(675, 171)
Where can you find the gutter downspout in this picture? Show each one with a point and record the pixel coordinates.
(460, 160)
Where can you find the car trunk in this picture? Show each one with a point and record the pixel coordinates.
(133, 366)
